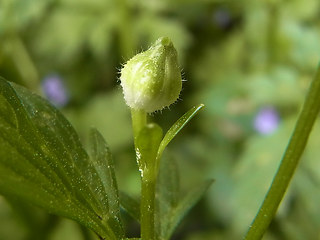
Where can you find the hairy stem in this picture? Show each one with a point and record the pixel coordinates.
(289, 162)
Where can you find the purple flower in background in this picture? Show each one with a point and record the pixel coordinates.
(222, 18)
(55, 90)
(266, 121)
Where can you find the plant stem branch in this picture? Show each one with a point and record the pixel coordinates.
(289, 161)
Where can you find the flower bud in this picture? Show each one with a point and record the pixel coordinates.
(151, 80)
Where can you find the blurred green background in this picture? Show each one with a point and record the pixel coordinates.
(250, 62)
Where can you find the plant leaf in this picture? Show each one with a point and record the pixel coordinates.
(177, 213)
(131, 205)
(177, 126)
(171, 206)
(168, 189)
(168, 185)
(187, 203)
(103, 163)
(43, 161)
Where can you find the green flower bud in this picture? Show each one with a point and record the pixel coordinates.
(151, 80)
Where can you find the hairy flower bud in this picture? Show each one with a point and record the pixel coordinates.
(151, 80)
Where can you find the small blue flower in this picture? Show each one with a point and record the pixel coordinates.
(266, 121)
(55, 90)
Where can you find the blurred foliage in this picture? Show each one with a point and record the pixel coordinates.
(237, 58)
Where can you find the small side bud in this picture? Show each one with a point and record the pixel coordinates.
(151, 80)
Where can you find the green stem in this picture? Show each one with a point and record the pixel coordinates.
(147, 209)
(139, 121)
(289, 162)
(148, 181)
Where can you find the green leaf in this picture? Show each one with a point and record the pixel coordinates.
(168, 189)
(103, 163)
(43, 161)
(172, 203)
(131, 205)
(168, 185)
(177, 126)
(189, 200)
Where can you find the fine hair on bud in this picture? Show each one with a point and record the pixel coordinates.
(152, 80)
